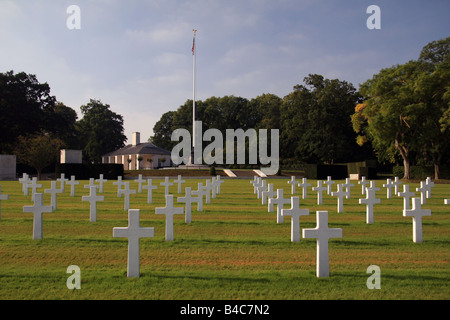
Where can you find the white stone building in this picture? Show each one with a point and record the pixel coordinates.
(138, 156)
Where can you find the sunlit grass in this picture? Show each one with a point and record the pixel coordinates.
(234, 249)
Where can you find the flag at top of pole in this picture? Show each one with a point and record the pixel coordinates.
(193, 43)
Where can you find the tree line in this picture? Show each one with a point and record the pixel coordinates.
(35, 126)
(400, 115)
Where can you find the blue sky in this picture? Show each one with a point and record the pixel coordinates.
(136, 55)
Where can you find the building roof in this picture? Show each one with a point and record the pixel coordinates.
(141, 148)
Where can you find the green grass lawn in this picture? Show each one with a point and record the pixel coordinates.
(234, 249)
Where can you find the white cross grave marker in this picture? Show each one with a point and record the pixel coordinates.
(369, 201)
(406, 194)
(417, 213)
(119, 183)
(199, 192)
(280, 201)
(126, 192)
(260, 188)
(25, 180)
(139, 181)
(133, 232)
(101, 181)
(320, 188)
(389, 185)
(397, 184)
(340, 193)
(166, 185)
(328, 183)
(268, 194)
(218, 183)
(208, 189)
(34, 185)
(293, 182)
(2, 197)
(446, 201)
(53, 193)
(72, 184)
(93, 198)
(213, 187)
(322, 233)
(304, 184)
(295, 212)
(169, 211)
(363, 184)
(423, 192)
(149, 187)
(188, 199)
(37, 209)
(63, 181)
(429, 184)
(179, 181)
(91, 184)
(347, 185)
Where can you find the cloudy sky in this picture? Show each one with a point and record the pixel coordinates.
(135, 55)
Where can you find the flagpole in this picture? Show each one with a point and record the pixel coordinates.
(193, 100)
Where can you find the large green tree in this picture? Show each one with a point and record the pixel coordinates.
(100, 130)
(315, 121)
(406, 107)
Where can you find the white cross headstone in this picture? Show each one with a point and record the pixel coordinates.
(37, 209)
(179, 181)
(423, 192)
(363, 184)
(169, 211)
(119, 183)
(25, 180)
(429, 184)
(329, 184)
(133, 232)
(322, 233)
(389, 185)
(218, 183)
(268, 194)
(72, 182)
(101, 181)
(295, 212)
(139, 181)
(292, 182)
(369, 201)
(340, 193)
(2, 197)
(208, 189)
(406, 194)
(397, 184)
(280, 201)
(188, 199)
(260, 188)
(126, 192)
(304, 185)
(93, 198)
(91, 184)
(213, 187)
(255, 182)
(149, 187)
(53, 193)
(417, 213)
(199, 192)
(34, 186)
(166, 185)
(347, 186)
(319, 189)
(446, 201)
(63, 181)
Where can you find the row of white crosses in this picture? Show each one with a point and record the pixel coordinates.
(322, 233)
(134, 231)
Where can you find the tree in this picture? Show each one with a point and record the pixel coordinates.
(406, 108)
(100, 130)
(315, 121)
(24, 107)
(163, 131)
(38, 150)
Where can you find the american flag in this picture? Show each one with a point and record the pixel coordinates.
(193, 46)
